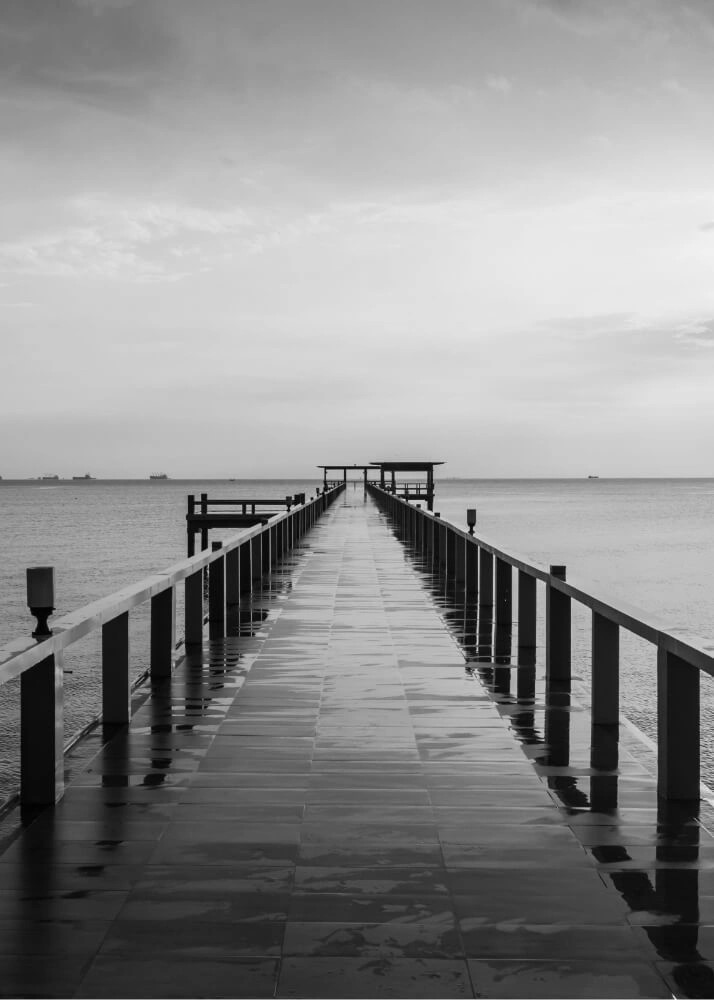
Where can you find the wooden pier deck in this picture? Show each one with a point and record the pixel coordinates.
(330, 804)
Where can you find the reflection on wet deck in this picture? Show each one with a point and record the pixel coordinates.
(335, 802)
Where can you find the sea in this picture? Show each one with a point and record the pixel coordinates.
(647, 542)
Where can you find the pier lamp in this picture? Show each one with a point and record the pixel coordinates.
(471, 519)
(41, 597)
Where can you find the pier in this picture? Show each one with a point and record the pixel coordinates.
(360, 774)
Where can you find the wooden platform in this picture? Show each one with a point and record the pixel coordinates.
(329, 803)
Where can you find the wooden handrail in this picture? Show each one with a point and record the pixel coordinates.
(234, 565)
(478, 563)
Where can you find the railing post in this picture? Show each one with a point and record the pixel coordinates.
(485, 579)
(605, 671)
(450, 553)
(460, 564)
(233, 577)
(191, 539)
(471, 568)
(217, 595)
(265, 548)
(116, 682)
(504, 587)
(443, 547)
(677, 727)
(256, 569)
(526, 613)
(163, 632)
(204, 531)
(244, 567)
(193, 609)
(557, 629)
(42, 732)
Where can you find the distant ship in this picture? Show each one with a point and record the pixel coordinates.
(593, 477)
(158, 475)
(49, 477)
(85, 476)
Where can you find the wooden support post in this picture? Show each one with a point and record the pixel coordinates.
(677, 728)
(485, 579)
(605, 671)
(204, 531)
(193, 609)
(233, 577)
(190, 533)
(42, 732)
(265, 553)
(163, 633)
(471, 569)
(256, 568)
(557, 630)
(217, 595)
(526, 615)
(504, 587)
(244, 567)
(450, 554)
(460, 563)
(116, 680)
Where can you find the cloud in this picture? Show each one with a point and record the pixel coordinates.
(135, 240)
(699, 333)
(706, 227)
(501, 84)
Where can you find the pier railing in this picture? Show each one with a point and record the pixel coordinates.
(485, 571)
(233, 568)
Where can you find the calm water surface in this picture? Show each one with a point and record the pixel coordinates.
(650, 542)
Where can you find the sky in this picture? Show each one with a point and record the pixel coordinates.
(246, 237)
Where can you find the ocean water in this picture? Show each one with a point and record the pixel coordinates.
(649, 542)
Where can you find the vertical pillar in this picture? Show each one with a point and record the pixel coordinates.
(193, 609)
(460, 561)
(450, 553)
(677, 727)
(217, 595)
(265, 552)
(163, 632)
(190, 534)
(42, 732)
(116, 683)
(233, 577)
(485, 579)
(256, 569)
(557, 629)
(204, 531)
(605, 671)
(244, 567)
(471, 569)
(526, 614)
(504, 585)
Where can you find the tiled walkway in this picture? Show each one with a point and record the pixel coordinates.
(334, 806)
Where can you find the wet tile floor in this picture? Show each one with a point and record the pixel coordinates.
(333, 802)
